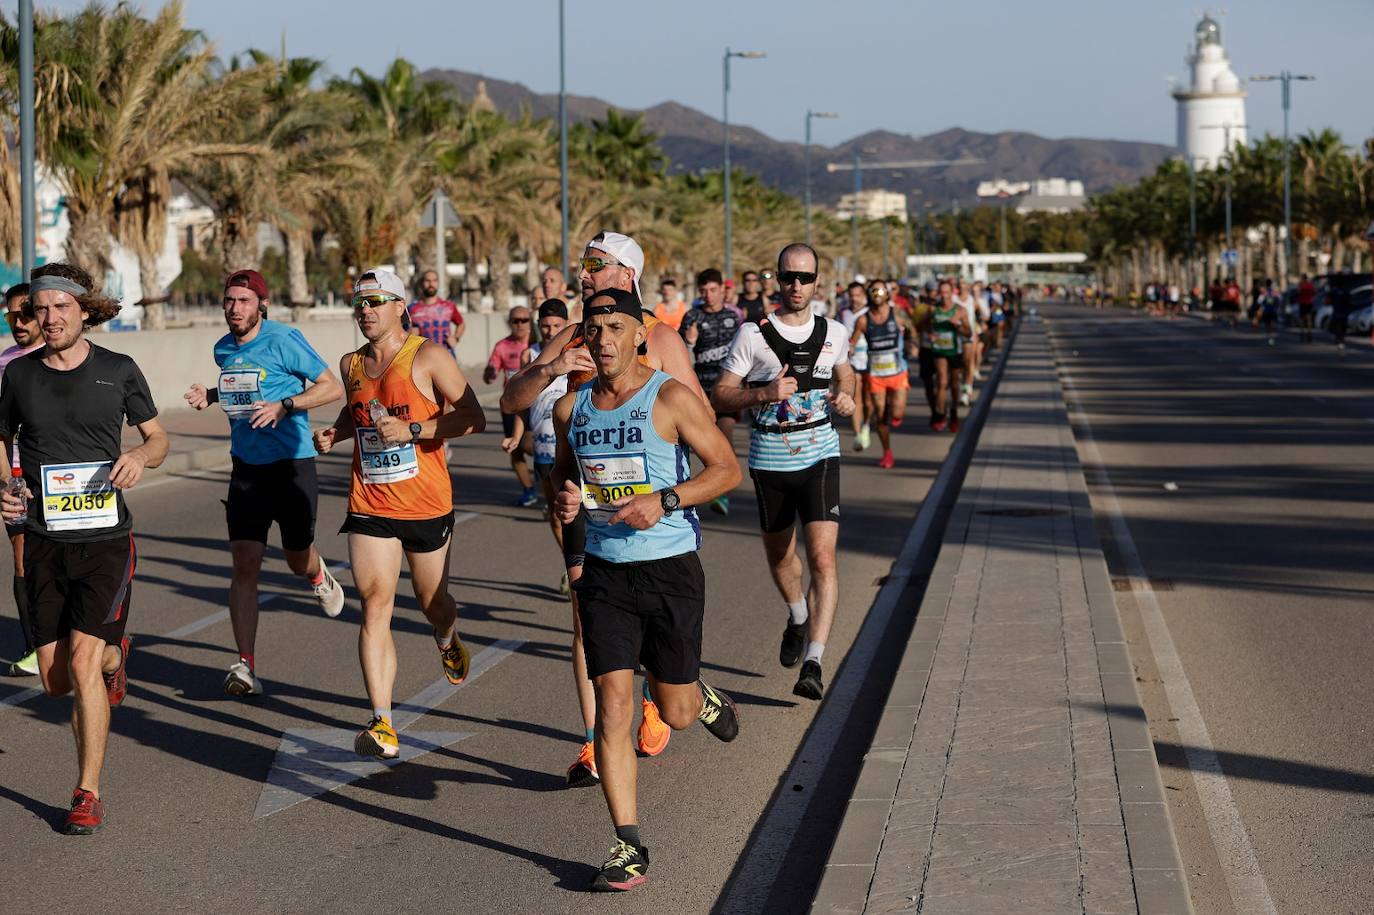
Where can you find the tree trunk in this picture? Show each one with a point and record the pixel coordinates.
(298, 287)
(498, 277)
(154, 295)
(400, 258)
(240, 246)
(88, 245)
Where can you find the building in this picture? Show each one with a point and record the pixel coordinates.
(1211, 111)
(874, 204)
(1046, 195)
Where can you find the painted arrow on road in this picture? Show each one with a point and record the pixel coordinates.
(315, 761)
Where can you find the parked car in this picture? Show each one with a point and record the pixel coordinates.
(1360, 300)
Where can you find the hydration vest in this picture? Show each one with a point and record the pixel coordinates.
(800, 359)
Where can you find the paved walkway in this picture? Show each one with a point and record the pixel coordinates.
(1012, 770)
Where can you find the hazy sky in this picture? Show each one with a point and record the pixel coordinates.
(1060, 68)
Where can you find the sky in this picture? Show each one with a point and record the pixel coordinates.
(1058, 68)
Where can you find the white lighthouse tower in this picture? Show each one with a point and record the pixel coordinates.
(1215, 99)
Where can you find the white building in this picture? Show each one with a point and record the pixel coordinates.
(1214, 99)
(874, 204)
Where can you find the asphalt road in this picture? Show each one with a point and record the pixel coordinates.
(204, 811)
(1259, 562)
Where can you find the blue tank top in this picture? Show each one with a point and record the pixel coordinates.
(620, 453)
(885, 345)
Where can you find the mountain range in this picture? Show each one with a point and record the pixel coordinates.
(692, 141)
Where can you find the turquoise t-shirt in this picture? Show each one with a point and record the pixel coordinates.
(275, 364)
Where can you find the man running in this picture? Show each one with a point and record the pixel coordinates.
(642, 591)
(438, 320)
(505, 361)
(27, 338)
(79, 545)
(553, 317)
(886, 329)
(856, 299)
(671, 307)
(269, 378)
(792, 372)
(947, 326)
(400, 498)
(753, 304)
(1307, 297)
(610, 261)
(709, 331)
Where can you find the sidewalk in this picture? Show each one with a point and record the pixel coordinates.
(1012, 769)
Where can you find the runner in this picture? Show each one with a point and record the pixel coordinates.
(791, 371)
(753, 304)
(857, 299)
(671, 306)
(1307, 297)
(265, 368)
(553, 317)
(610, 261)
(886, 329)
(1269, 310)
(400, 498)
(505, 361)
(554, 285)
(1338, 295)
(947, 326)
(438, 320)
(921, 309)
(27, 338)
(709, 331)
(78, 547)
(642, 591)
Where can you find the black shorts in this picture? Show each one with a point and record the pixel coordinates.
(926, 359)
(78, 586)
(1338, 325)
(647, 613)
(416, 536)
(812, 493)
(284, 492)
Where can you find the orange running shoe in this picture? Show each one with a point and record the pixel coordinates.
(653, 733)
(582, 773)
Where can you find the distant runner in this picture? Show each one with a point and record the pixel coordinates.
(438, 320)
(27, 338)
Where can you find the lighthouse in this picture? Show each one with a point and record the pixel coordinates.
(1214, 99)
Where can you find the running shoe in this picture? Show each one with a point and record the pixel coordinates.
(653, 733)
(896, 422)
(721, 506)
(377, 739)
(809, 685)
(888, 461)
(241, 681)
(27, 666)
(862, 438)
(938, 424)
(329, 593)
(623, 870)
(527, 498)
(87, 814)
(793, 641)
(116, 681)
(718, 714)
(964, 399)
(455, 658)
(954, 424)
(565, 586)
(583, 774)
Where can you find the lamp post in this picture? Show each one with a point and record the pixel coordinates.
(1227, 127)
(725, 111)
(562, 145)
(26, 176)
(1286, 78)
(806, 158)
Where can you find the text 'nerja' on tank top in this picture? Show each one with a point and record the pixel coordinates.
(620, 453)
(406, 482)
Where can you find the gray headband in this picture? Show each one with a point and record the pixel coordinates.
(55, 283)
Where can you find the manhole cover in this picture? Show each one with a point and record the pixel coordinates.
(1021, 512)
(1136, 584)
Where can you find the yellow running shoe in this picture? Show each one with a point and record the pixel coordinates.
(653, 733)
(378, 739)
(455, 658)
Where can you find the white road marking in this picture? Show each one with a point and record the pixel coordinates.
(314, 761)
(1246, 883)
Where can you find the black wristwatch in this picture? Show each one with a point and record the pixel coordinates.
(415, 430)
(288, 404)
(669, 500)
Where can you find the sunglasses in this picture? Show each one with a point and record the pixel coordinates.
(767, 274)
(17, 317)
(519, 320)
(372, 301)
(787, 277)
(597, 264)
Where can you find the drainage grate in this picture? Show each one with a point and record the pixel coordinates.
(1021, 512)
(1134, 584)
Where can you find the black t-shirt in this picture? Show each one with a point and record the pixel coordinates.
(713, 345)
(753, 308)
(72, 417)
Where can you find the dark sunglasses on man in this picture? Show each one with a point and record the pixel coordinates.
(800, 277)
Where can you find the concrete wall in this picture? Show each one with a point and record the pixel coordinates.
(172, 360)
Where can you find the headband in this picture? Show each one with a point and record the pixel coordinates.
(49, 281)
(624, 303)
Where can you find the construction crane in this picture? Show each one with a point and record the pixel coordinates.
(859, 168)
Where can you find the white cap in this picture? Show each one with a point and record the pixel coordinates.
(383, 281)
(625, 250)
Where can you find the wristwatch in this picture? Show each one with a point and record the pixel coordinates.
(415, 430)
(288, 404)
(669, 500)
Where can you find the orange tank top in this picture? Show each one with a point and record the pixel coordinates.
(407, 482)
(578, 379)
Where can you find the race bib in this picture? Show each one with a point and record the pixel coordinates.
(606, 478)
(944, 339)
(79, 497)
(238, 391)
(883, 363)
(383, 463)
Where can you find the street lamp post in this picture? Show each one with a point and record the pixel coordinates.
(854, 210)
(1226, 127)
(725, 112)
(26, 167)
(562, 145)
(1286, 78)
(806, 157)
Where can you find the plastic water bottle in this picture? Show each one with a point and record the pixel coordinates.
(16, 483)
(376, 410)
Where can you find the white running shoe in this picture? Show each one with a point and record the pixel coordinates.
(241, 681)
(862, 439)
(329, 593)
(964, 399)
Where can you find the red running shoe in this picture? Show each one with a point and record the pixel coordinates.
(888, 461)
(116, 682)
(87, 815)
(954, 424)
(896, 422)
(938, 425)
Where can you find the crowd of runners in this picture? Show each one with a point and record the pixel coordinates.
(627, 409)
